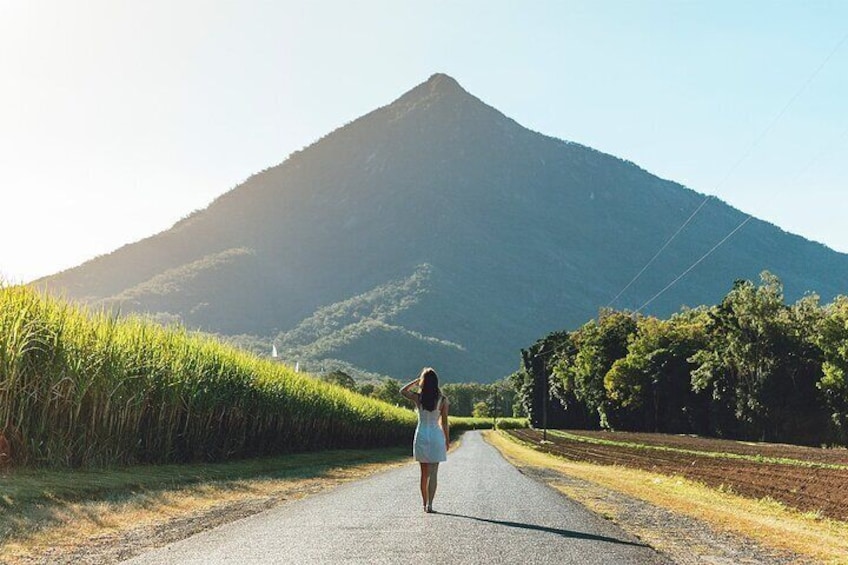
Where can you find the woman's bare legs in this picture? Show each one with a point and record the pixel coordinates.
(432, 482)
(424, 478)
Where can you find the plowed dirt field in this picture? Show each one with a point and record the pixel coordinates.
(836, 456)
(807, 488)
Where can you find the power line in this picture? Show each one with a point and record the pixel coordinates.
(782, 111)
(827, 149)
(818, 156)
(657, 254)
(696, 263)
(727, 175)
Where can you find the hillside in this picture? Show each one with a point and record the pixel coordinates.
(437, 231)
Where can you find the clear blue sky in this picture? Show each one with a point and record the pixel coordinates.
(117, 118)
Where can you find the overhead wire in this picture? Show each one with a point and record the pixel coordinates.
(658, 253)
(783, 110)
(696, 263)
(828, 148)
(727, 175)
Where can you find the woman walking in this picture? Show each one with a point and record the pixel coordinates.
(432, 435)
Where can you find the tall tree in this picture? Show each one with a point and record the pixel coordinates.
(340, 378)
(463, 396)
(759, 362)
(535, 382)
(651, 386)
(597, 345)
(832, 338)
(389, 391)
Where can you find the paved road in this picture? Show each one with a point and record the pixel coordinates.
(486, 512)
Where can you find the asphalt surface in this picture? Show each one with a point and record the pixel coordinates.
(486, 512)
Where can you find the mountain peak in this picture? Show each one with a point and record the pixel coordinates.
(439, 86)
(440, 82)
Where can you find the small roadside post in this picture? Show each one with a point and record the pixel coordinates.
(541, 355)
(494, 410)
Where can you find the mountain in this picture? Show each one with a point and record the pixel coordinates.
(437, 231)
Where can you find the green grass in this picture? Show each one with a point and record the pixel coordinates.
(81, 388)
(714, 454)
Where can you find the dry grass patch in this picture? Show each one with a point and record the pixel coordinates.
(156, 505)
(764, 521)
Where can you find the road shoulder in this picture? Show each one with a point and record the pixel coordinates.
(641, 504)
(88, 527)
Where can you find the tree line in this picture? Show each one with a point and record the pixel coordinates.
(493, 400)
(751, 367)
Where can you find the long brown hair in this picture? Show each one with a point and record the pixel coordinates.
(430, 392)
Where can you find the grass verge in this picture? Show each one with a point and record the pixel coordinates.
(764, 521)
(58, 513)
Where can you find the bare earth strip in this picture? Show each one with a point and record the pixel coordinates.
(688, 521)
(827, 456)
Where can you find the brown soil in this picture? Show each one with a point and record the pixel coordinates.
(804, 488)
(836, 455)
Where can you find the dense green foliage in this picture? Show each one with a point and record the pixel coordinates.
(387, 390)
(78, 388)
(832, 339)
(462, 423)
(751, 367)
(497, 397)
(339, 378)
(481, 410)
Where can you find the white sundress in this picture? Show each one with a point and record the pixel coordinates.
(429, 443)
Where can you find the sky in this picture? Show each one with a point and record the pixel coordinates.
(118, 118)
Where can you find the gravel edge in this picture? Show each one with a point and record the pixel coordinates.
(683, 539)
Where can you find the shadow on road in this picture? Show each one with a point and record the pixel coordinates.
(564, 533)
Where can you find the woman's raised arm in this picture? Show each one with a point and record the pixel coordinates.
(406, 391)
